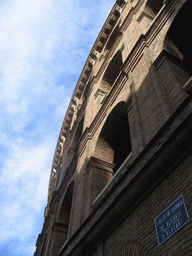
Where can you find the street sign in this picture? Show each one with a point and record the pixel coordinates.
(171, 220)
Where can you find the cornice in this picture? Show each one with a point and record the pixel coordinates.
(81, 84)
(129, 65)
(89, 132)
(95, 162)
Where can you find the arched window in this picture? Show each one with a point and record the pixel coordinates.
(64, 215)
(78, 133)
(152, 7)
(112, 71)
(179, 37)
(112, 38)
(75, 140)
(113, 147)
(114, 143)
(61, 227)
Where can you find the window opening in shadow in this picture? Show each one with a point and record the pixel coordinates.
(112, 38)
(179, 37)
(114, 144)
(78, 133)
(62, 226)
(64, 215)
(152, 7)
(112, 71)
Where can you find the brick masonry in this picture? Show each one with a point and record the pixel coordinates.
(134, 104)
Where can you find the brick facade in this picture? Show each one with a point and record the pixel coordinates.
(124, 152)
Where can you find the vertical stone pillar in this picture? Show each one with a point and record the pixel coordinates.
(173, 76)
(99, 173)
(59, 237)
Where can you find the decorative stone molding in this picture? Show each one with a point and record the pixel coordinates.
(57, 226)
(99, 164)
(100, 92)
(104, 35)
(96, 54)
(84, 77)
(119, 9)
(122, 169)
(92, 61)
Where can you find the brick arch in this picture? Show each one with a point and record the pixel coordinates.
(149, 10)
(112, 71)
(178, 39)
(112, 38)
(152, 7)
(114, 144)
(78, 133)
(64, 211)
(130, 249)
(171, 19)
(60, 228)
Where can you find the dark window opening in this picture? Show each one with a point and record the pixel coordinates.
(78, 133)
(112, 38)
(61, 227)
(180, 36)
(112, 71)
(152, 7)
(65, 211)
(114, 144)
(122, 147)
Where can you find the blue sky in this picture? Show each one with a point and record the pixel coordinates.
(43, 47)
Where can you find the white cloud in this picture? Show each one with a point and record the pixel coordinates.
(43, 47)
(25, 181)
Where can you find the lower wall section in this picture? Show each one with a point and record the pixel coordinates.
(136, 235)
(130, 248)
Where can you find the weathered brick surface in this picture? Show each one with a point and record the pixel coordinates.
(141, 68)
(140, 226)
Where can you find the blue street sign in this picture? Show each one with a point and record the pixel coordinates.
(171, 220)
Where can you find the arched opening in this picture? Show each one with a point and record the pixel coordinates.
(178, 37)
(61, 227)
(65, 211)
(114, 144)
(43, 246)
(112, 38)
(112, 71)
(78, 133)
(112, 148)
(74, 143)
(152, 7)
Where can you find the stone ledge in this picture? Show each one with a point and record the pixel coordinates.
(122, 169)
(188, 86)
